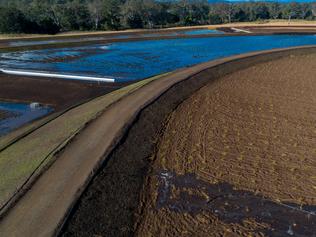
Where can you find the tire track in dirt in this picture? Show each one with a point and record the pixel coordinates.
(253, 131)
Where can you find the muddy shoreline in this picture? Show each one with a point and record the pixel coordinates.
(161, 35)
(57, 93)
(111, 203)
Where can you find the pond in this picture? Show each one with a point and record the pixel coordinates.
(202, 32)
(14, 115)
(127, 61)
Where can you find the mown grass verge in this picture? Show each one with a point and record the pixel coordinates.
(28, 156)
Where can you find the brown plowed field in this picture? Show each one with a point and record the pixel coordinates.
(238, 157)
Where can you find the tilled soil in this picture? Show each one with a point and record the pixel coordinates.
(238, 157)
(60, 94)
(206, 170)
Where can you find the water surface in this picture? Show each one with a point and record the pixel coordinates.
(203, 32)
(126, 61)
(19, 114)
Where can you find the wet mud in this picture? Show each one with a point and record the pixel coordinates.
(295, 30)
(281, 30)
(188, 194)
(9, 45)
(59, 94)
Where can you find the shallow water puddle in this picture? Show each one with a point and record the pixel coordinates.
(14, 115)
(188, 194)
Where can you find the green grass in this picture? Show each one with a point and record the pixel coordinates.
(33, 152)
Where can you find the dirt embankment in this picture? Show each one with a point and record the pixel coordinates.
(281, 29)
(268, 29)
(60, 94)
(232, 138)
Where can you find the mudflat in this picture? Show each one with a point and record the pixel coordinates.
(270, 29)
(238, 157)
(60, 94)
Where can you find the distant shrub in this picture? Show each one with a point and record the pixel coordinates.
(12, 20)
(47, 26)
(215, 19)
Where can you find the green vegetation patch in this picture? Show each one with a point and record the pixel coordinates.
(30, 154)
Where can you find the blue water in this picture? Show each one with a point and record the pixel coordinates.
(202, 32)
(23, 114)
(127, 61)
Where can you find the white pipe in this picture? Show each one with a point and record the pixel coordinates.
(62, 76)
(240, 30)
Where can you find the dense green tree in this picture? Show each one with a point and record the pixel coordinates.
(261, 11)
(112, 14)
(275, 10)
(225, 10)
(132, 14)
(77, 17)
(12, 20)
(41, 18)
(52, 16)
(215, 19)
(240, 15)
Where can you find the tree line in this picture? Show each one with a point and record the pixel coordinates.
(53, 16)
